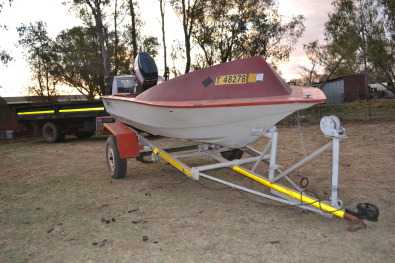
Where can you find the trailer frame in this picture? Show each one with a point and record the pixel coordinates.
(282, 188)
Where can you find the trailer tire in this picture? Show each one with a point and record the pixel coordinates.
(232, 155)
(52, 132)
(84, 134)
(115, 164)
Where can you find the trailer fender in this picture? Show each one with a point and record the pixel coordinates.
(126, 138)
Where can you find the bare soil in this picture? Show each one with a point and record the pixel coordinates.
(58, 204)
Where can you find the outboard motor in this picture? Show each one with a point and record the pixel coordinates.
(145, 70)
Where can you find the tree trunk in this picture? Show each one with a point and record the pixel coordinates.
(134, 31)
(363, 36)
(116, 39)
(187, 37)
(188, 54)
(162, 14)
(97, 13)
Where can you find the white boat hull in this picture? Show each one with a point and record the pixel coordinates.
(227, 126)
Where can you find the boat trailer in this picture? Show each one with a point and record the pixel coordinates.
(126, 142)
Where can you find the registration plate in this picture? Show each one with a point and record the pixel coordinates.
(232, 79)
(237, 79)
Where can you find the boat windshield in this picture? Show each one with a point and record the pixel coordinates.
(126, 85)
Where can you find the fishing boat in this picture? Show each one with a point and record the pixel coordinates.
(222, 109)
(230, 104)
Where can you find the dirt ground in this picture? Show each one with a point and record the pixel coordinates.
(58, 204)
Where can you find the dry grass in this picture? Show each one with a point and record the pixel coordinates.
(55, 200)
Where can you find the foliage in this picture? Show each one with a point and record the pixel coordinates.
(5, 57)
(313, 53)
(151, 45)
(359, 36)
(75, 57)
(79, 62)
(228, 30)
(191, 12)
(41, 57)
(96, 9)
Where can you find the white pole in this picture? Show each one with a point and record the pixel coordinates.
(273, 153)
(335, 171)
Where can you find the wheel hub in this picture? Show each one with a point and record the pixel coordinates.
(110, 159)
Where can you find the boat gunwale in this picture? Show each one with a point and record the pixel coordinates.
(288, 99)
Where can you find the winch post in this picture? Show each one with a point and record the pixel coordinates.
(273, 133)
(335, 171)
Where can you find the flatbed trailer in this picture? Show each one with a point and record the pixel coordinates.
(56, 119)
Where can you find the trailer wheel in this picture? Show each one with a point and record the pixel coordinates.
(52, 132)
(84, 134)
(116, 165)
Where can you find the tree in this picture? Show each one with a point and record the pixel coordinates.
(313, 53)
(190, 11)
(41, 57)
(343, 39)
(150, 45)
(134, 36)
(359, 39)
(5, 57)
(237, 28)
(79, 63)
(96, 9)
(162, 5)
(116, 37)
(389, 7)
(389, 11)
(134, 27)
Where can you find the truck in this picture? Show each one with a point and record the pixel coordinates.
(56, 117)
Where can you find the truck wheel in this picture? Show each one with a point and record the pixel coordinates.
(84, 134)
(52, 132)
(116, 165)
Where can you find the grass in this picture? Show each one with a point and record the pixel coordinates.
(366, 110)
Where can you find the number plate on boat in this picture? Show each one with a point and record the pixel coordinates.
(237, 79)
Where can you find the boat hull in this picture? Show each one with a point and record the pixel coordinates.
(234, 126)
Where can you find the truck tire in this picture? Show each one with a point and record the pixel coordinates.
(84, 134)
(52, 132)
(116, 165)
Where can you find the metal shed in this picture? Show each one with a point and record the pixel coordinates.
(346, 89)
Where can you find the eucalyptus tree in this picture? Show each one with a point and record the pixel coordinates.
(359, 38)
(162, 7)
(134, 27)
(41, 56)
(232, 29)
(96, 8)
(191, 12)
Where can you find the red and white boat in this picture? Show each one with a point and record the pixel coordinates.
(229, 104)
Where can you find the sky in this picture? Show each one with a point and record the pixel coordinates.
(16, 77)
